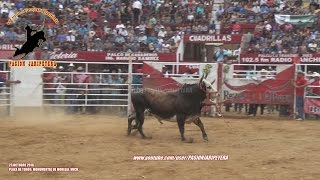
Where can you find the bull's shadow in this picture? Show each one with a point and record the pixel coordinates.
(185, 104)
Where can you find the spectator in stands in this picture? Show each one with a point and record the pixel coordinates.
(137, 10)
(10, 35)
(220, 54)
(316, 82)
(312, 47)
(236, 28)
(300, 85)
(313, 6)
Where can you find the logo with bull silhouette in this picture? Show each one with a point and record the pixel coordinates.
(35, 34)
(35, 39)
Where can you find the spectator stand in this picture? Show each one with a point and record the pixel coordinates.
(88, 86)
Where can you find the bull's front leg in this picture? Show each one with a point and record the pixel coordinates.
(140, 121)
(181, 121)
(130, 119)
(201, 126)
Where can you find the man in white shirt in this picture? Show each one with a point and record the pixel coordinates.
(123, 32)
(176, 38)
(120, 25)
(70, 36)
(4, 11)
(142, 37)
(268, 26)
(263, 2)
(256, 8)
(137, 9)
(312, 46)
(160, 40)
(162, 33)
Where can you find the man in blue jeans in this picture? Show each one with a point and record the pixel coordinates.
(300, 83)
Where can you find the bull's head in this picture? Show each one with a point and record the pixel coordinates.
(206, 86)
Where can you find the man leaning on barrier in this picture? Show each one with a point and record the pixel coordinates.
(300, 83)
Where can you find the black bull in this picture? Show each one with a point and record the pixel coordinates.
(185, 104)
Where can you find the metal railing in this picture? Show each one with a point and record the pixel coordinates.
(5, 93)
(102, 90)
(87, 94)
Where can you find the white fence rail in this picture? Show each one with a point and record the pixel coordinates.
(90, 87)
(5, 90)
(5, 93)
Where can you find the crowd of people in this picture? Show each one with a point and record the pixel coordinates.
(110, 25)
(158, 26)
(268, 36)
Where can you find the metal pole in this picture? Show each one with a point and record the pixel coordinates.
(294, 94)
(129, 85)
(11, 90)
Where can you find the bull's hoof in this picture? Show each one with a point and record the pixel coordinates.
(188, 140)
(134, 132)
(147, 137)
(205, 139)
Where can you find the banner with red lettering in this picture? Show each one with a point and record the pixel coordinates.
(96, 56)
(278, 58)
(259, 88)
(163, 57)
(312, 106)
(212, 38)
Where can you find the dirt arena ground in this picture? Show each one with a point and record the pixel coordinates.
(258, 148)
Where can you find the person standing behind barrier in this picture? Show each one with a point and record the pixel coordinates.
(80, 99)
(136, 79)
(300, 83)
(137, 9)
(316, 90)
(220, 54)
(47, 79)
(115, 79)
(60, 88)
(91, 93)
(71, 90)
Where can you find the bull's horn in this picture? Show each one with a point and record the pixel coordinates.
(209, 84)
(213, 81)
(206, 75)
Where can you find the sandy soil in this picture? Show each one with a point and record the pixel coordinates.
(258, 148)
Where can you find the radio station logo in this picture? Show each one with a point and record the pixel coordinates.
(35, 37)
